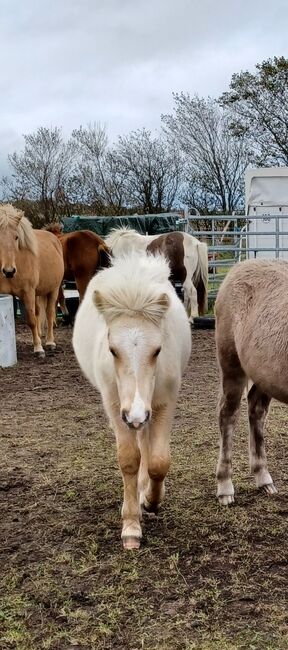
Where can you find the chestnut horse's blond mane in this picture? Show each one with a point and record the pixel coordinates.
(10, 216)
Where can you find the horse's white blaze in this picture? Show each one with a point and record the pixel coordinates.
(137, 413)
(133, 344)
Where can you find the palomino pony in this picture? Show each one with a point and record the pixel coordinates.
(187, 257)
(126, 339)
(31, 263)
(84, 253)
(251, 336)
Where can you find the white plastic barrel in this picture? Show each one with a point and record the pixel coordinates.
(8, 354)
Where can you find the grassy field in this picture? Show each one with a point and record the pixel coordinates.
(205, 578)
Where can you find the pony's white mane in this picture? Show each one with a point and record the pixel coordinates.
(135, 284)
(10, 216)
(115, 234)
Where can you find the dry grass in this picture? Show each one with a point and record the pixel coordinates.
(205, 578)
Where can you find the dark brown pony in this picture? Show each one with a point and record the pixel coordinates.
(84, 253)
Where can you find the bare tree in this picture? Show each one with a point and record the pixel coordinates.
(152, 171)
(98, 171)
(214, 159)
(41, 171)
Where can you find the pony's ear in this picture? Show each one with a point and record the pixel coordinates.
(163, 302)
(155, 309)
(18, 216)
(104, 305)
(99, 301)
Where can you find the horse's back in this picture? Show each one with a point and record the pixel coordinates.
(172, 246)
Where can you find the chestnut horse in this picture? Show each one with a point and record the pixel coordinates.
(251, 337)
(32, 267)
(187, 257)
(84, 253)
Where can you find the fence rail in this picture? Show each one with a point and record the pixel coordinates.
(245, 238)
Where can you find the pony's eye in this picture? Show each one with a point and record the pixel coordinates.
(16, 237)
(157, 352)
(113, 352)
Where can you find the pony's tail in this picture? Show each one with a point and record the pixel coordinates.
(104, 256)
(201, 278)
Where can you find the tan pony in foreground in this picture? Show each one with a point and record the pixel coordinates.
(252, 344)
(132, 340)
(31, 267)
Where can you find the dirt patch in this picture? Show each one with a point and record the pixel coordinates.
(205, 578)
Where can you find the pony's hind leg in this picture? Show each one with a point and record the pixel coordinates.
(258, 406)
(232, 390)
(191, 302)
(50, 314)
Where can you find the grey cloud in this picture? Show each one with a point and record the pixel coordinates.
(118, 61)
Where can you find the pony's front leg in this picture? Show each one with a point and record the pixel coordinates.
(29, 300)
(129, 461)
(158, 458)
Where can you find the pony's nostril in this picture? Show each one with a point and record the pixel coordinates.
(147, 416)
(9, 273)
(124, 415)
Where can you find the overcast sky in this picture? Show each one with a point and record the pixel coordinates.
(71, 62)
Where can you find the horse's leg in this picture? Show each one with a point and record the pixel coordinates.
(232, 389)
(129, 461)
(29, 300)
(258, 406)
(191, 302)
(81, 283)
(50, 315)
(143, 476)
(158, 458)
(61, 301)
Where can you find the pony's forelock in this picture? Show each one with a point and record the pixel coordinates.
(10, 216)
(135, 285)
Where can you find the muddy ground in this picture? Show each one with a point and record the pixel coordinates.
(205, 578)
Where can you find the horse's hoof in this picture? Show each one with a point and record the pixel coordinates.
(269, 489)
(66, 319)
(130, 542)
(150, 508)
(39, 354)
(226, 499)
(50, 347)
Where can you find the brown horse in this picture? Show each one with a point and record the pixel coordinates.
(187, 256)
(251, 337)
(31, 263)
(84, 253)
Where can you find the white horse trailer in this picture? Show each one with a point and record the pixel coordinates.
(266, 193)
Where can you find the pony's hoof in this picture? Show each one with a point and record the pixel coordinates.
(226, 499)
(50, 347)
(130, 542)
(39, 354)
(150, 508)
(269, 489)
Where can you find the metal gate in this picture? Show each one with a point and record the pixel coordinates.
(233, 238)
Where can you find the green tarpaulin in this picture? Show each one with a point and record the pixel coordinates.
(150, 224)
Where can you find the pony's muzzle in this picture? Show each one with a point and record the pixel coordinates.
(135, 423)
(10, 272)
